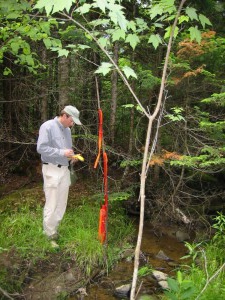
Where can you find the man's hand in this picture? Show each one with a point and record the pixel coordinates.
(68, 153)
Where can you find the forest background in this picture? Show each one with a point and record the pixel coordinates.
(156, 71)
(49, 62)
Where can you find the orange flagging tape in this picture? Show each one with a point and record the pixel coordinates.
(100, 137)
(102, 224)
(103, 215)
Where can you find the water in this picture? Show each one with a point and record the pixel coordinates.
(153, 241)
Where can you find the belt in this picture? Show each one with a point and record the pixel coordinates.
(59, 166)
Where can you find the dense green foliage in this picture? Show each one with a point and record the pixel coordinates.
(204, 279)
(51, 54)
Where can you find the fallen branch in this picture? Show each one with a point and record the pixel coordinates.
(5, 293)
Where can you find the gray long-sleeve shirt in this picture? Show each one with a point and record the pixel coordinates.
(53, 139)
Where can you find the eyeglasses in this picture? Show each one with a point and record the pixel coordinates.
(68, 116)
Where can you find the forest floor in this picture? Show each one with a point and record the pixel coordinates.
(55, 274)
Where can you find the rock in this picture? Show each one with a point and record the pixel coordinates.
(128, 254)
(123, 290)
(161, 255)
(182, 236)
(159, 276)
(69, 276)
(82, 291)
(173, 264)
(163, 284)
(58, 289)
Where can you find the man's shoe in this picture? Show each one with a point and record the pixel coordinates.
(54, 237)
(54, 244)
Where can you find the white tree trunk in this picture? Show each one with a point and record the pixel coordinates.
(145, 158)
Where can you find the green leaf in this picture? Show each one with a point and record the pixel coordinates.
(158, 25)
(120, 196)
(156, 10)
(133, 39)
(102, 4)
(13, 15)
(139, 108)
(155, 40)
(128, 105)
(117, 15)
(63, 52)
(103, 41)
(179, 277)
(191, 12)
(83, 47)
(26, 49)
(132, 163)
(217, 99)
(45, 27)
(117, 34)
(170, 295)
(173, 284)
(52, 6)
(144, 271)
(104, 69)
(15, 47)
(99, 22)
(7, 71)
(84, 8)
(56, 43)
(131, 25)
(182, 19)
(169, 31)
(47, 43)
(142, 25)
(29, 59)
(129, 72)
(195, 34)
(204, 20)
(168, 5)
(188, 293)
(124, 62)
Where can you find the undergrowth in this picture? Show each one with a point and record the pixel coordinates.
(22, 239)
(204, 278)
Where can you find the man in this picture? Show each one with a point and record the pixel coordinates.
(55, 146)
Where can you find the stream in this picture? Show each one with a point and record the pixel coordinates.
(153, 242)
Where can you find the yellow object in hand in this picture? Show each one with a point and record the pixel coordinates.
(78, 156)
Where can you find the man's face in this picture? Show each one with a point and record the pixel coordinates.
(67, 120)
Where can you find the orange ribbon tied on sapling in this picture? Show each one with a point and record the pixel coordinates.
(100, 137)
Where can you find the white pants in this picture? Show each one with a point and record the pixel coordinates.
(56, 188)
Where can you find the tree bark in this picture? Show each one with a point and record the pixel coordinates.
(44, 92)
(63, 81)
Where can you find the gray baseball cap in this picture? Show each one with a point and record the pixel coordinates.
(74, 113)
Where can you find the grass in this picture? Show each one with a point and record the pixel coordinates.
(22, 239)
(22, 232)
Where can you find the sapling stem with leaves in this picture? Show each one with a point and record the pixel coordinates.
(145, 157)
